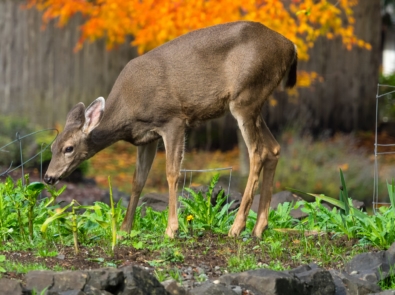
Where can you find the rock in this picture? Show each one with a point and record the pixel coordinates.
(302, 268)
(70, 292)
(359, 205)
(386, 292)
(10, 287)
(280, 198)
(105, 281)
(318, 281)
(156, 201)
(266, 282)
(108, 279)
(39, 280)
(90, 290)
(208, 288)
(371, 266)
(173, 288)
(350, 285)
(140, 282)
(68, 280)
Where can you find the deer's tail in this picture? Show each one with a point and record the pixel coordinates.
(290, 79)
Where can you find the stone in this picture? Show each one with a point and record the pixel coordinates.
(280, 198)
(173, 288)
(10, 287)
(69, 280)
(386, 292)
(371, 266)
(350, 285)
(108, 279)
(138, 281)
(208, 288)
(318, 281)
(38, 280)
(157, 201)
(70, 292)
(266, 281)
(90, 290)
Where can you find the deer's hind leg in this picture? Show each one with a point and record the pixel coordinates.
(263, 152)
(145, 157)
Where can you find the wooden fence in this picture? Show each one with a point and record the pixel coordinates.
(41, 77)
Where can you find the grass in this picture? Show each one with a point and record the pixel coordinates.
(326, 237)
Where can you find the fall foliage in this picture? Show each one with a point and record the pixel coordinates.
(154, 22)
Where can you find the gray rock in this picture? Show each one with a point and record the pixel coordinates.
(108, 279)
(302, 268)
(280, 198)
(318, 281)
(156, 201)
(173, 288)
(68, 280)
(350, 285)
(139, 282)
(266, 282)
(10, 287)
(39, 280)
(371, 266)
(386, 292)
(90, 290)
(70, 292)
(208, 288)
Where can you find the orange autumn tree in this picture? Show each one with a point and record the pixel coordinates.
(154, 22)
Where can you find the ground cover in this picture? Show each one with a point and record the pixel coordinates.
(202, 250)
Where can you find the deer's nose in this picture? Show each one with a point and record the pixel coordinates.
(49, 179)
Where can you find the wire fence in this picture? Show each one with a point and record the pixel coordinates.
(18, 142)
(379, 146)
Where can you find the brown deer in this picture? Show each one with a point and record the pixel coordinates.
(196, 77)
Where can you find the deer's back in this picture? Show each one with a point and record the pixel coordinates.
(196, 75)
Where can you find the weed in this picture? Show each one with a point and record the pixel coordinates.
(160, 274)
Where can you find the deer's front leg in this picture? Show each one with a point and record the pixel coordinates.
(145, 157)
(173, 138)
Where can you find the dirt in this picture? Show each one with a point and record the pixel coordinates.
(207, 254)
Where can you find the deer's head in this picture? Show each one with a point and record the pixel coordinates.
(71, 147)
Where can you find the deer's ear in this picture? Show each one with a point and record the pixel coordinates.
(93, 115)
(76, 116)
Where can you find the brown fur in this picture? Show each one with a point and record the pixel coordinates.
(196, 77)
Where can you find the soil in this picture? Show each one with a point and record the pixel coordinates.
(207, 254)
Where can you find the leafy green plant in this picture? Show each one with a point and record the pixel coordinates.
(172, 255)
(2, 259)
(216, 218)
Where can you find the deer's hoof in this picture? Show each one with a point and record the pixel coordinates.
(171, 233)
(236, 229)
(258, 231)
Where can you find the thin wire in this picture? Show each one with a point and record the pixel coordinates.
(21, 155)
(376, 153)
(19, 140)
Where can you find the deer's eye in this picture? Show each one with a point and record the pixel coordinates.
(69, 149)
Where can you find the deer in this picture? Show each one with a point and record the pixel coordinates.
(202, 75)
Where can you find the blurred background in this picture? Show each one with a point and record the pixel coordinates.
(56, 53)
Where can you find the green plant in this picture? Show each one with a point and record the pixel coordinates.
(242, 262)
(160, 274)
(2, 259)
(172, 255)
(216, 218)
(46, 253)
